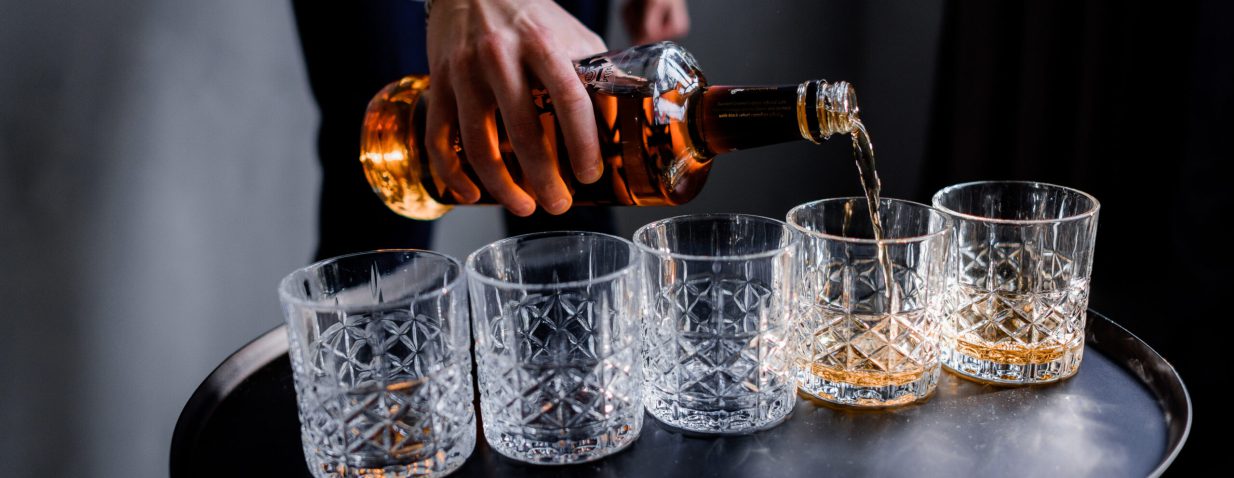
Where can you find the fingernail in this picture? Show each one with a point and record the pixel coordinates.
(589, 175)
(559, 206)
(524, 209)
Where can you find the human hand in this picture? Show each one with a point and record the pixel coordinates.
(487, 55)
(649, 21)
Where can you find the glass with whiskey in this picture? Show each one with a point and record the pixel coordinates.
(1018, 291)
(870, 306)
(719, 291)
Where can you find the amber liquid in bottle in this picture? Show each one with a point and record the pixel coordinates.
(644, 164)
(659, 126)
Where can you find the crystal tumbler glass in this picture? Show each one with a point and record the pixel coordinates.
(1018, 289)
(379, 349)
(555, 319)
(718, 308)
(871, 310)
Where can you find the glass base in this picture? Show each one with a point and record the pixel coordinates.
(565, 451)
(997, 373)
(735, 420)
(440, 464)
(857, 396)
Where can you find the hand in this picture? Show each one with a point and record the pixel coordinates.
(487, 55)
(649, 21)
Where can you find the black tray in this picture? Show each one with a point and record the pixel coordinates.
(1126, 413)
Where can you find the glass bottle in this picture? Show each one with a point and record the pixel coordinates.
(659, 124)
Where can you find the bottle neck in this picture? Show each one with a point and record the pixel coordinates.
(731, 118)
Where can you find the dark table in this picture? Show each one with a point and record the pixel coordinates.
(1126, 413)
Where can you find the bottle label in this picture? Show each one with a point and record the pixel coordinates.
(595, 73)
(740, 117)
(601, 73)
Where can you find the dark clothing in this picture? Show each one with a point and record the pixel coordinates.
(351, 50)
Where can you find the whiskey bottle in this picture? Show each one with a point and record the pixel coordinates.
(659, 124)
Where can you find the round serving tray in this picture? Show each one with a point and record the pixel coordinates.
(1126, 413)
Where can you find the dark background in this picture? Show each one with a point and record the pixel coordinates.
(157, 177)
(1134, 103)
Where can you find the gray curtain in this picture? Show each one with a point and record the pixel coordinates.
(156, 180)
(1134, 103)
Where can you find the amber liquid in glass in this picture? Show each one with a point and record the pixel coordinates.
(1000, 331)
(870, 356)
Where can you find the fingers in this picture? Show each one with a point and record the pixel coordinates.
(536, 154)
(439, 138)
(633, 14)
(654, 20)
(678, 22)
(573, 110)
(585, 43)
(477, 125)
(497, 51)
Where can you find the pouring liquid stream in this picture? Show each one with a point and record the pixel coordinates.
(863, 153)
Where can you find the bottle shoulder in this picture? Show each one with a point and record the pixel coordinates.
(643, 71)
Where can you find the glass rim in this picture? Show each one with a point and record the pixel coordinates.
(1090, 212)
(942, 231)
(794, 239)
(286, 297)
(473, 273)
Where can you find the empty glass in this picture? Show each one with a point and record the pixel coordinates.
(868, 330)
(555, 317)
(379, 349)
(719, 303)
(1018, 290)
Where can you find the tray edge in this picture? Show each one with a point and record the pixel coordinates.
(229, 374)
(1156, 373)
